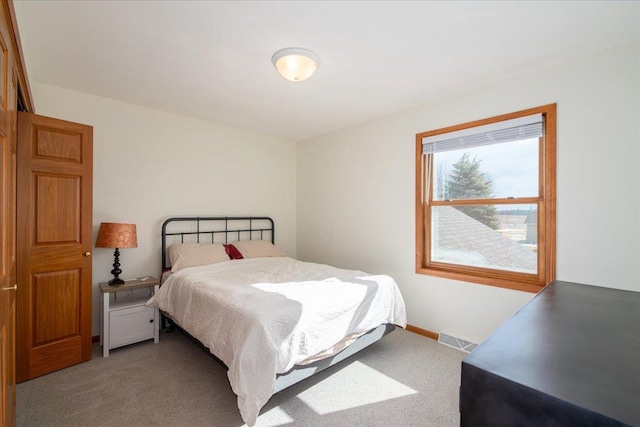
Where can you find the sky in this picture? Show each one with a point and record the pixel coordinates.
(513, 166)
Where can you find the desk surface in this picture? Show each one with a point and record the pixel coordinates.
(577, 343)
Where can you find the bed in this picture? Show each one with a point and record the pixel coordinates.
(272, 320)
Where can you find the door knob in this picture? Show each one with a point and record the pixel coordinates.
(11, 288)
(87, 253)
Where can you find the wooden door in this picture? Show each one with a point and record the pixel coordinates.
(8, 279)
(7, 262)
(54, 210)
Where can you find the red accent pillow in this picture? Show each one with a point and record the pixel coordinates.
(233, 252)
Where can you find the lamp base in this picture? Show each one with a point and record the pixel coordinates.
(116, 270)
(115, 282)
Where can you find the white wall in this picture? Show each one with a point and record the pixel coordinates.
(150, 165)
(351, 203)
(355, 189)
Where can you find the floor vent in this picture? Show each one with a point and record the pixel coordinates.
(456, 343)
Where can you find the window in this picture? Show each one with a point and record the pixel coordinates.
(485, 200)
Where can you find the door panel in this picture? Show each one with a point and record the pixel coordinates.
(54, 144)
(56, 298)
(55, 224)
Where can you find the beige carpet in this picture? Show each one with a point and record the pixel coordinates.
(403, 380)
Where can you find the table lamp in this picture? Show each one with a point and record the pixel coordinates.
(116, 235)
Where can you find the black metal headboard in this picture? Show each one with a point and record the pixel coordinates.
(214, 230)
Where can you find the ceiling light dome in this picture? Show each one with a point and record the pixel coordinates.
(296, 64)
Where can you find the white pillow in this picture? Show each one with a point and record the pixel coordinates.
(182, 255)
(257, 249)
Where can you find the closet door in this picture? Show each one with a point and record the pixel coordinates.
(7, 266)
(8, 279)
(54, 209)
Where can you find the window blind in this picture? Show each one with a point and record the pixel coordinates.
(493, 133)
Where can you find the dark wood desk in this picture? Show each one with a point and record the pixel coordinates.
(570, 357)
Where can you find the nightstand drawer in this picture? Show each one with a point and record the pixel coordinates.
(131, 324)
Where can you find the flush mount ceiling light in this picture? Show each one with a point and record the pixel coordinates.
(296, 64)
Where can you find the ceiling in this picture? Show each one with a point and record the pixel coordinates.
(212, 60)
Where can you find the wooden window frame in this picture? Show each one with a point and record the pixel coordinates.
(546, 212)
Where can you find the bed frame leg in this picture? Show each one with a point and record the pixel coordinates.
(170, 327)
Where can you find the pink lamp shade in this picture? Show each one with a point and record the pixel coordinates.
(117, 235)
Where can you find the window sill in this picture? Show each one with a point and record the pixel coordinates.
(508, 283)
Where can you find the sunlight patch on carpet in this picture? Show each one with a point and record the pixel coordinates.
(273, 418)
(353, 386)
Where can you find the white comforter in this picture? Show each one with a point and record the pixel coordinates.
(262, 316)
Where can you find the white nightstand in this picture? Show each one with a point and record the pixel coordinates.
(127, 320)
